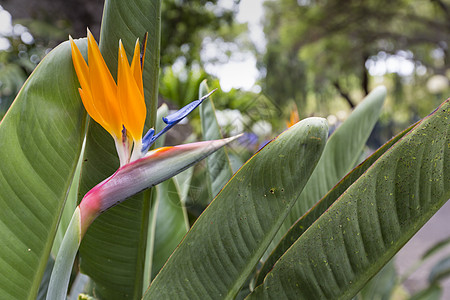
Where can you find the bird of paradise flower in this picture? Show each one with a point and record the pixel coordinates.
(120, 109)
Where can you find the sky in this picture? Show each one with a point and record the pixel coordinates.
(240, 70)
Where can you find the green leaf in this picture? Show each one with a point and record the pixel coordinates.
(436, 248)
(41, 138)
(183, 180)
(113, 250)
(218, 164)
(382, 285)
(371, 221)
(440, 270)
(170, 224)
(317, 210)
(180, 87)
(163, 111)
(183, 183)
(433, 292)
(228, 239)
(129, 20)
(339, 156)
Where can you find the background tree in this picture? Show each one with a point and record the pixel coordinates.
(330, 46)
(184, 23)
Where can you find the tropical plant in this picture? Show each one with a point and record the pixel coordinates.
(298, 220)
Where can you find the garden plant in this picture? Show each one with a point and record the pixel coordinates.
(91, 208)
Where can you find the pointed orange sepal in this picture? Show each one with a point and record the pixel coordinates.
(103, 89)
(136, 67)
(80, 65)
(132, 103)
(88, 103)
(294, 118)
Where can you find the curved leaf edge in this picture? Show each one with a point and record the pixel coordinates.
(261, 291)
(303, 223)
(317, 137)
(340, 155)
(6, 121)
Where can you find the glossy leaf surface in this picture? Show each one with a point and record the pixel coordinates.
(371, 221)
(170, 224)
(41, 137)
(339, 156)
(317, 210)
(227, 240)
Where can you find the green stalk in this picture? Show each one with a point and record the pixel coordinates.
(59, 280)
(150, 241)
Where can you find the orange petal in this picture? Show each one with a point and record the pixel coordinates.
(91, 110)
(80, 65)
(137, 68)
(103, 88)
(294, 118)
(131, 99)
(82, 71)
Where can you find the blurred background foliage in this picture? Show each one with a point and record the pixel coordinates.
(38, 26)
(317, 57)
(331, 53)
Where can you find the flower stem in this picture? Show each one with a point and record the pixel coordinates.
(59, 280)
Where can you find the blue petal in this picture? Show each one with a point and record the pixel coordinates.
(171, 120)
(183, 112)
(147, 140)
(146, 143)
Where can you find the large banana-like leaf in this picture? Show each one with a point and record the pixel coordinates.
(218, 164)
(113, 250)
(317, 210)
(41, 137)
(339, 156)
(371, 220)
(171, 225)
(382, 285)
(228, 239)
